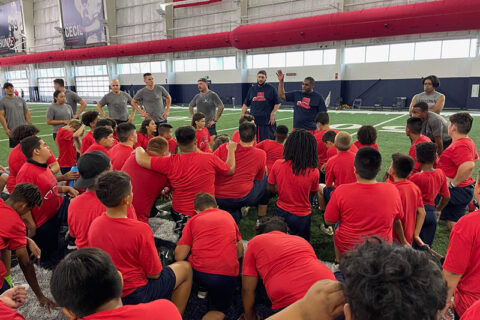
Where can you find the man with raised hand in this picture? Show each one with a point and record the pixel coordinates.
(116, 102)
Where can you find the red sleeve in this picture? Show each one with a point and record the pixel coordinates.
(249, 266)
(444, 192)
(149, 259)
(220, 166)
(329, 176)
(332, 212)
(67, 135)
(52, 158)
(315, 178)
(186, 238)
(461, 155)
(398, 206)
(222, 152)
(459, 250)
(17, 236)
(419, 198)
(261, 145)
(208, 134)
(131, 213)
(262, 162)
(237, 232)
(272, 175)
(161, 164)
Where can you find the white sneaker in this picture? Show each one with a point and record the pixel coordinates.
(327, 230)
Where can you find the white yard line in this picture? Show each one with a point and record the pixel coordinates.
(386, 121)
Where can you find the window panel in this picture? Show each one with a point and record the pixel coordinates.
(455, 48)
(179, 65)
(276, 60)
(164, 66)
(313, 58)
(203, 64)
(473, 48)
(330, 56)
(428, 50)
(355, 55)
(145, 67)
(190, 65)
(377, 53)
(402, 51)
(135, 68)
(249, 62)
(294, 59)
(216, 63)
(123, 68)
(156, 66)
(260, 61)
(229, 63)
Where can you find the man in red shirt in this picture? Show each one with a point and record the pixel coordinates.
(413, 130)
(127, 138)
(458, 161)
(68, 138)
(165, 131)
(86, 207)
(432, 182)
(286, 263)
(323, 124)
(145, 194)
(360, 217)
(101, 299)
(215, 243)
(247, 186)
(103, 140)
(53, 211)
(24, 198)
(131, 246)
(411, 196)
(89, 119)
(461, 268)
(188, 172)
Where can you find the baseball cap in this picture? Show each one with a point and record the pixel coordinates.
(90, 165)
(203, 80)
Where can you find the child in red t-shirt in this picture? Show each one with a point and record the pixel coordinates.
(360, 216)
(295, 179)
(103, 140)
(328, 139)
(131, 246)
(411, 196)
(202, 135)
(127, 137)
(68, 141)
(102, 298)
(147, 132)
(89, 119)
(165, 131)
(323, 124)
(215, 243)
(246, 118)
(431, 183)
(413, 130)
(366, 137)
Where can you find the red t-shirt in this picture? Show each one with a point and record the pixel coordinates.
(87, 141)
(360, 219)
(82, 211)
(213, 236)
(472, 313)
(431, 183)
(332, 151)
(274, 151)
(67, 154)
(189, 174)
(340, 169)
(463, 257)
(131, 246)
(16, 159)
(12, 233)
(203, 140)
(7, 313)
(142, 140)
(250, 165)
(359, 145)
(119, 154)
(286, 263)
(98, 147)
(236, 138)
(156, 310)
(172, 145)
(46, 182)
(460, 151)
(321, 146)
(146, 186)
(411, 197)
(294, 190)
(413, 153)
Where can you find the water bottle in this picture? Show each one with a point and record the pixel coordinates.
(72, 182)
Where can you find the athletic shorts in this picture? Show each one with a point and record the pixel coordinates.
(327, 194)
(298, 225)
(161, 288)
(220, 288)
(457, 205)
(212, 131)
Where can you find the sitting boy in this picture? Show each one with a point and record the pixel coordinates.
(127, 139)
(103, 140)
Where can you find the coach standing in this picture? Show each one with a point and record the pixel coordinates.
(209, 103)
(263, 101)
(307, 103)
(116, 102)
(151, 97)
(13, 112)
(72, 98)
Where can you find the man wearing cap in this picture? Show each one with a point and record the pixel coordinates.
(86, 207)
(209, 103)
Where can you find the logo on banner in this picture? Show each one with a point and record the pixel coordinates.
(260, 97)
(305, 103)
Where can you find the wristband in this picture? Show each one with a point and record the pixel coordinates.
(451, 185)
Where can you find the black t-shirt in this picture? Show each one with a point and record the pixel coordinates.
(306, 107)
(261, 100)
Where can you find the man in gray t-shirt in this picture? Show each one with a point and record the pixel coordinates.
(72, 98)
(13, 112)
(151, 97)
(434, 126)
(207, 102)
(116, 102)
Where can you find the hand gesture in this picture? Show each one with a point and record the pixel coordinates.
(14, 297)
(71, 175)
(280, 76)
(71, 192)
(231, 146)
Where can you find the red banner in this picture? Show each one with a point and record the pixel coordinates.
(194, 4)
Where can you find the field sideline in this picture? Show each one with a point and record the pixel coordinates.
(391, 139)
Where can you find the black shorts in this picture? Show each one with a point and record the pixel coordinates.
(220, 288)
(327, 194)
(457, 205)
(212, 131)
(161, 288)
